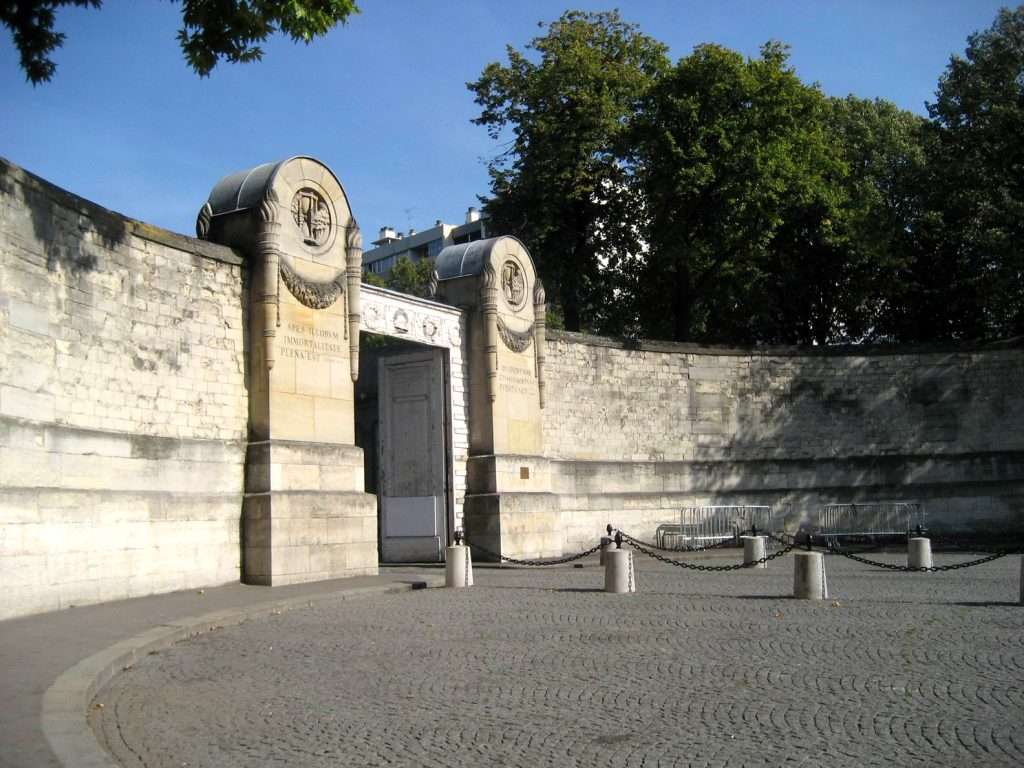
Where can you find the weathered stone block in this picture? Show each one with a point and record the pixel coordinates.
(22, 404)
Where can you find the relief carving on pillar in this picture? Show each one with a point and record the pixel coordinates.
(513, 284)
(310, 293)
(312, 215)
(517, 341)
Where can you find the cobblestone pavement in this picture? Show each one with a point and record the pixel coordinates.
(537, 667)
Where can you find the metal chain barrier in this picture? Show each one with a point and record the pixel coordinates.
(787, 548)
(787, 541)
(933, 569)
(779, 540)
(894, 566)
(686, 547)
(975, 544)
(514, 561)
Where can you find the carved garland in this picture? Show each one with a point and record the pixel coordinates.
(517, 341)
(314, 295)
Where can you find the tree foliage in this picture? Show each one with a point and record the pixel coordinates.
(560, 183)
(970, 265)
(731, 157)
(724, 200)
(212, 30)
(406, 276)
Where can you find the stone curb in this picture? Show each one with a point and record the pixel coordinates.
(66, 702)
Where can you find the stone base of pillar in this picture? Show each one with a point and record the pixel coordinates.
(304, 515)
(619, 575)
(919, 553)
(754, 548)
(526, 526)
(458, 566)
(809, 581)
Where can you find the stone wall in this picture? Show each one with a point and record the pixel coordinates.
(636, 432)
(124, 417)
(123, 408)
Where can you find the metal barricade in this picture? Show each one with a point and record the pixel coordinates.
(701, 526)
(870, 519)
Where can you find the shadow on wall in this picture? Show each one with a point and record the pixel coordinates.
(66, 225)
(940, 426)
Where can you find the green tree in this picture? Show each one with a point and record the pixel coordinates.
(406, 276)
(739, 180)
(848, 287)
(561, 185)
(968, 278)
(211, 30)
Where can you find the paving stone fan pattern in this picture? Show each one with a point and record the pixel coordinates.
(537, 667)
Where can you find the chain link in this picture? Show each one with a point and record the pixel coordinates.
(974, 545)
(697, 567)
(923, 569)
(787, 547)
(831, 550)
(514, 561)
(686, 547)
(779, 540)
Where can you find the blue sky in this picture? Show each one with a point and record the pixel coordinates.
(383, 102)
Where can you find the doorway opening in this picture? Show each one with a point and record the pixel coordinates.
(403, 418)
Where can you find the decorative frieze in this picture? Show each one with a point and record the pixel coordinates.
(394, 318)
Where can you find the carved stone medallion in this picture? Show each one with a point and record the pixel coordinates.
(513, 284)
(372, 317)
(312, 216)
(400, 321)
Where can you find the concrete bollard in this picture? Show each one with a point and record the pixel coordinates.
(458, 566)
(754, 548)
(809, 581)
(919, 552)
(606, 543)
(619, 576)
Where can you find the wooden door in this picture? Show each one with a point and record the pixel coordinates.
(413, 461)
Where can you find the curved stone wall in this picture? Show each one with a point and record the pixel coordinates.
(124, 417)
(123, 408)
(637, 431)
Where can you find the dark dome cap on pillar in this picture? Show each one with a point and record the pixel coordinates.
(467, 259)
(227, 217)
(502, 261)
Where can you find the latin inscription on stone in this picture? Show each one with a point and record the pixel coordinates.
(303, 342)
(514, 380)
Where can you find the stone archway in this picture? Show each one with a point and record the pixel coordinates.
(441, 327)
(306, 515)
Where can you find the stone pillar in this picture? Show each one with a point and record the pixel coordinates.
(540, 322)
(754, 548)
(458, 566)
(509, 507)
(809, 576)
(489, 312)
(1022, 580)
(619, 575)
(266, 310)
(354, 269)
(305, 516)
(919, 552)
